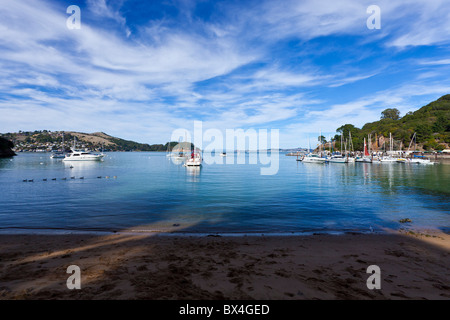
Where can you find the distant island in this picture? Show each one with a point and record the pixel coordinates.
(430, 124)
(6, 147)
(47, 141)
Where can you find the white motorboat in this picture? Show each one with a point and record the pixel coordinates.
(421, 161)
(388, 159)
(83, 155)
(313, 158)
(338, 158)
(363, 159)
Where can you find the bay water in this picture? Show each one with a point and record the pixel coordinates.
(147, 192)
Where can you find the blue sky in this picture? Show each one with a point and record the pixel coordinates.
(141, 69)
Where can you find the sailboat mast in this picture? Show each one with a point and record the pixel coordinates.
(309, 144)
(320, 142)
(390, 141)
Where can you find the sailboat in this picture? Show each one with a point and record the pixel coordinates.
(59, 154)
(389, 158)
(350, 159)
(311, 157)
(179, 154)
(366, 156)
(416, 159)
(195, 160)
(338, 157)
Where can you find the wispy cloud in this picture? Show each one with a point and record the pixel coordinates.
(296, 65)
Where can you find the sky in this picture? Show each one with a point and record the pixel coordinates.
(139, 70)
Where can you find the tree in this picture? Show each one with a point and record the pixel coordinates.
(391, 113)
(440, 125)
(322, 139)
(346, 129)
(423, 131)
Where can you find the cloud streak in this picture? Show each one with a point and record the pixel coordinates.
(300, 64)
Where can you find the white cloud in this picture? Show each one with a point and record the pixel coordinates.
(225, 71)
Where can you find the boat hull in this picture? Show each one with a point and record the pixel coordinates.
(319, 160)
(95, 158)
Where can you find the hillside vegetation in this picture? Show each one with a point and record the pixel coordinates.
(431, 124)
(52, 140)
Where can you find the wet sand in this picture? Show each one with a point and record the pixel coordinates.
(141, 266)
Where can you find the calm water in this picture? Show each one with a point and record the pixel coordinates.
(149, 192)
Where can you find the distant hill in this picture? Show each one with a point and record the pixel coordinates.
(44, 140)
(431, 124)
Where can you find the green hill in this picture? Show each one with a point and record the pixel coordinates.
(431, 124)
(52, 140)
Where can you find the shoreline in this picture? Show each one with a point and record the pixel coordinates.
(159, 267)
(173, 232)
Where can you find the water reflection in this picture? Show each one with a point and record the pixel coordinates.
(193, 174)
(150, 189)
(82, 167)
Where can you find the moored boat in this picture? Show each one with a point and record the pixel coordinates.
(313, 158)
(83, 155)
(194, 161)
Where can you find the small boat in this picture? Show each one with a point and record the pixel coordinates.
(363, 159)
(194, 161)
(58, 155)
(388, 159)
(420, 160)
(179, 156)
(313, 158)
(366, 157)
(338, 158)
(223, 154)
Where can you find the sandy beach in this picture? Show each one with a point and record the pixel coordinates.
(414, 265)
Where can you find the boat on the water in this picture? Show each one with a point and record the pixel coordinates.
(388, 159)
(313, 158)
(338, 158)
(366, 157)
(83, 155)
(179, 156)
(194, 161)
(58, 155)
(420, 160)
